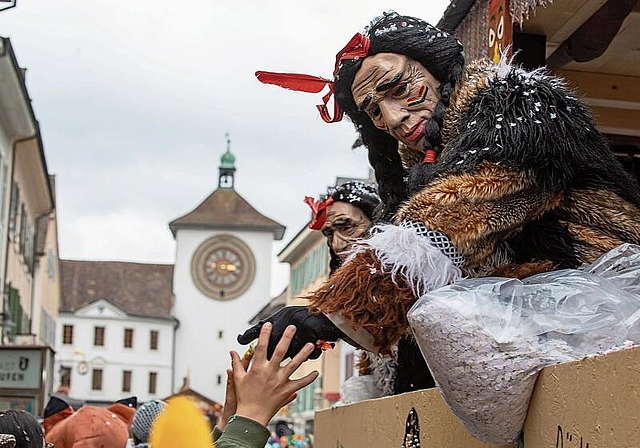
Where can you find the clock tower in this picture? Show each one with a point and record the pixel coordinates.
(222, 277)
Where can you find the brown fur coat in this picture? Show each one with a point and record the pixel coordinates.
(525, 184)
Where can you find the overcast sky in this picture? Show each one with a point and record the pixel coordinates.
(134, 98)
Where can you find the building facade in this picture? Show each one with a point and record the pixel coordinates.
(115, 334)
(26, 201)
(46, 278)
(28, 246)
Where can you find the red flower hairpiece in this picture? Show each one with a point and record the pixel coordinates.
(358, 47)
(318, 211)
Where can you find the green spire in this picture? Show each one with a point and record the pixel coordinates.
(227, 167)
(228, 160)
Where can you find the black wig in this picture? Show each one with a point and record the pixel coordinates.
(357, 193)
(440, 53)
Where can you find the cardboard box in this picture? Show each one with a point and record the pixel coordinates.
(591, 403)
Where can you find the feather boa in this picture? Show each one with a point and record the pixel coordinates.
(380, 281)
(403, 251)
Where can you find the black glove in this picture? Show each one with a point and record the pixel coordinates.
(309, 328)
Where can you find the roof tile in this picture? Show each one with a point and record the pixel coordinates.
(137, 288)
(226, 208)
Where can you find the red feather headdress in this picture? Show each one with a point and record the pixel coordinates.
(358, 47)
(318, 211)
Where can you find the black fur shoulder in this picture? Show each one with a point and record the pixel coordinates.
(531, 121)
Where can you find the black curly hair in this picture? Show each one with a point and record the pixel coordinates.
(358, 193)
(440, 53)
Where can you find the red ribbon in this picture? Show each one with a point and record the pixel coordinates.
(318, 211)
(429, 156)
(358, 47)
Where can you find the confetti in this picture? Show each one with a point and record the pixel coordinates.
(486, 385)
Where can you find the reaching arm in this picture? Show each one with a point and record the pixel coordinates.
(265, 387)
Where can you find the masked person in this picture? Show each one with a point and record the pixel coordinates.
(344, 216)
(483, 169)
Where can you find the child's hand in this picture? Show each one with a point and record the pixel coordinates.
(230, 400)
(265, 387)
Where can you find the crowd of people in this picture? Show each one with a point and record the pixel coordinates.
(482, 170)
(178, 423)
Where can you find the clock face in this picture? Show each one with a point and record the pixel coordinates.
(223, 267)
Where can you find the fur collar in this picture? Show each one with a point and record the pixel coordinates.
(477, 76)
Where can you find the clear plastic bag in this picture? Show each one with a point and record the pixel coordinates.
(620, 265)
(486, 339)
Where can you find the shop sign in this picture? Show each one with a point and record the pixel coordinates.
(20, 369)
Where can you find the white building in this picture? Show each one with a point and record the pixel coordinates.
(222, 277)
(115, 334)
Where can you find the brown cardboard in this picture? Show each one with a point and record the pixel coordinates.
(592, 403)
(380, 423)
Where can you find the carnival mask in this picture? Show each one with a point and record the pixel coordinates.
(345, 223)
(398, 94)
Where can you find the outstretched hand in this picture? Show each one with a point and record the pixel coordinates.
(264, 387)
(230, 400)
(311, 328)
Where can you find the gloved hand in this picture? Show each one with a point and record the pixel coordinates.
(310, 328)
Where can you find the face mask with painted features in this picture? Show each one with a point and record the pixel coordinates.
(398, 94)
(344, 225)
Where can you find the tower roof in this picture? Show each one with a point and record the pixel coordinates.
(226, 209)
(227, 160)
(227, 168)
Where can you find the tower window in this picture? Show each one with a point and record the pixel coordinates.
(126, 381)
(65, 376)
(153, 382)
